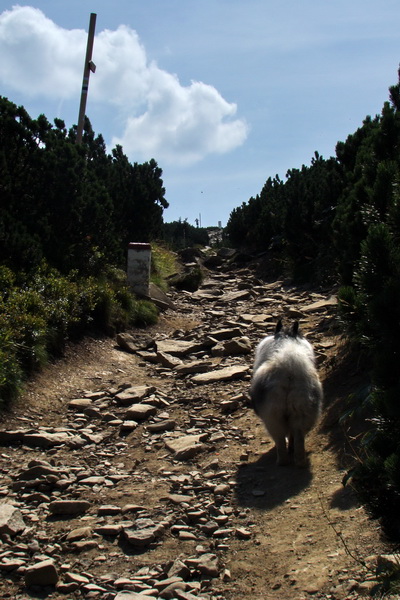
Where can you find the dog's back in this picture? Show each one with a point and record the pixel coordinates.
(286, 392)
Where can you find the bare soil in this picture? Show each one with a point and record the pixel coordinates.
(309, 537)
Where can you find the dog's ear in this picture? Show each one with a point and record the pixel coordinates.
(295, 329)
(278, 327)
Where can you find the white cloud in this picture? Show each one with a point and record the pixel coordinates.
(183, 124)
(38, 57)
(158, 116)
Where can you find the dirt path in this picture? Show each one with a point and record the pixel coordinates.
(217, 521)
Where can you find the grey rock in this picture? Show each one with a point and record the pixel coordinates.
(92, 480)
(128, 425)
(235, 346)
(78, 534)
(79, 403)
(134, 394)
(108, 509)
(226, 374)
(164, 425)
(49, 440)
(243, 533)
(160, 298)
(11, 520)
(140, 412)
(196, 366)
(321, 305)
(178, 347)
(180, 498)
(76, 578)
(169, 592)
(255, 319)
(207, 564)
(84, 545)
(38, 471)
(206, 294)
(180, 569)
(168, 361)
(134, 596)
(225, 334)
(69, 507)
(109, 530)
(42, 573)
(126, 342)
(182, 595)
(11, 564)
(186, 447)
(235, 296)
(141, 538)
(10, 437)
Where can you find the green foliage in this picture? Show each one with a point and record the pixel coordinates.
(38, 317)
(71, 204)
(338, 220)
(10, 369)
(144, 313)
(180, 234)
(371, 307)
(292, 220)
(68, 212)
(163, 265)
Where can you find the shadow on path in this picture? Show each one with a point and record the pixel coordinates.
(264, 485)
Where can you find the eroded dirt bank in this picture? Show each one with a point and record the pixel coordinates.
(170, 479)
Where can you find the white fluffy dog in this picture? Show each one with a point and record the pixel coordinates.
(286, 392)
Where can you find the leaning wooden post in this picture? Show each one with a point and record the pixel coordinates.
(89, 66)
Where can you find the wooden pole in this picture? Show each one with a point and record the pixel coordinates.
(89, 66)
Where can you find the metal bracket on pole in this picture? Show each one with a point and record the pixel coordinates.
(89, 66)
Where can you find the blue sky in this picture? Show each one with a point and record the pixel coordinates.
(221, 93)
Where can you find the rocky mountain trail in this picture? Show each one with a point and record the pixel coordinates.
(135, 469)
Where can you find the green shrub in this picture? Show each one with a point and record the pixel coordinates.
(38, 317)
(10, 369)
(371, 309)
(144, 313)
(163, 265)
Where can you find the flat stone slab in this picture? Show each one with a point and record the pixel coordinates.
(134, 596)
(178, 347)
(233, 347)
(225, 334)
(226, 374)
(140, 412)
(48, 440)
(69, 507)
(167, 360)
(37, 472)
(260, 318)
(79, 403)
(159, 426)
(234, 296)
(195, 366)
(134, 394)
(320, 304)
(41, 439)
(187, 446)
(145, 532)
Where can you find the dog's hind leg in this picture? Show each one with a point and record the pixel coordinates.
(300, 459)
(278, 432)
